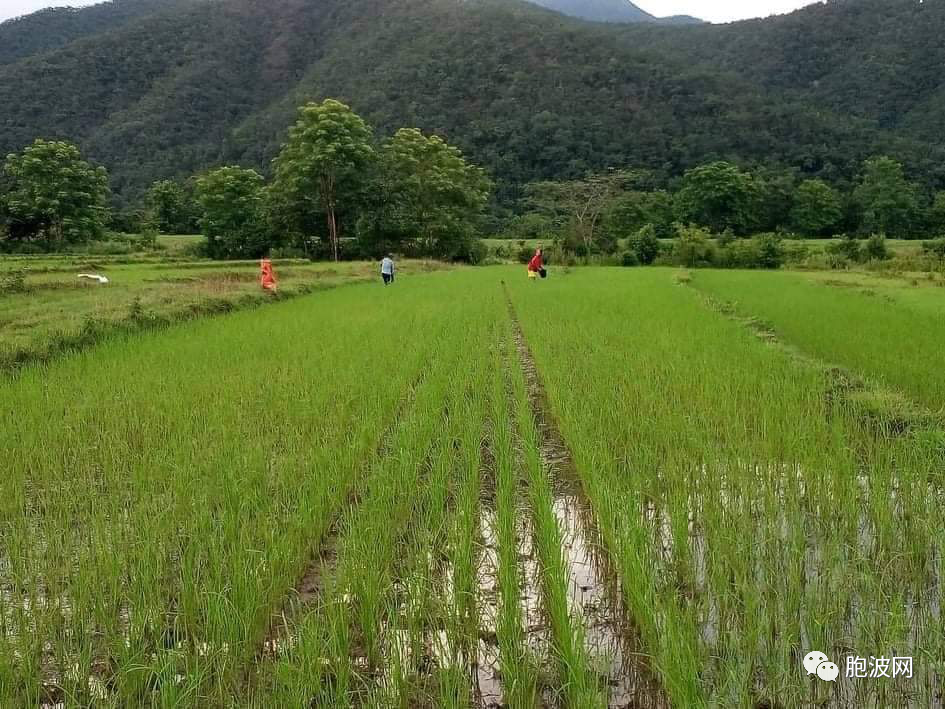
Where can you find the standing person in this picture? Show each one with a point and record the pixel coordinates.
(387, 270)
(267, 276)
(535, 265)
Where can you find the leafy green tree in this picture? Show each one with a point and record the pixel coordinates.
(53, 195)
(579, 204)
(531, 225)
(773, 192)
(324, 167)
(233, 219)
(817, 208)
(171, 208)
(438, 196)
(887, 201)
(645, 245)
(717, 196)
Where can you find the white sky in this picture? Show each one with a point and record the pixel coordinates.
(706, 9)
(719, 11)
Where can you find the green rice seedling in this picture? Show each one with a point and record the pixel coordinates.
(231, 467)
(580, 687)
(894, 341)
(289, 506)
(519, 667)
(377, 613)
(727, 485)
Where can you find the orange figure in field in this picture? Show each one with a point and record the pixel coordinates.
(267, 276)
(537, 264)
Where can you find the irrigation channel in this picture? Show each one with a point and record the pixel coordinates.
(594, 597)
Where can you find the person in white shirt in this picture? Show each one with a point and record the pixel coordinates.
(387, 270)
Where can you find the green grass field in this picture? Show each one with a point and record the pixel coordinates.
(53, 308)
(614, 487)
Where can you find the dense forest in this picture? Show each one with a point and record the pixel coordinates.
(156, 89)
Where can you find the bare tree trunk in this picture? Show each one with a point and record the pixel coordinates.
(328, 195)
(333, 230)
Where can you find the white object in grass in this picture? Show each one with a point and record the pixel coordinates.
(94, 277)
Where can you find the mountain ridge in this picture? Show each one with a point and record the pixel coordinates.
(526, 92)
(614, 11)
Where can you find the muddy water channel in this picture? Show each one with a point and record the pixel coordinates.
(595, 598)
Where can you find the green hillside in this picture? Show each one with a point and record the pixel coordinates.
(55, 27)
(527, 93)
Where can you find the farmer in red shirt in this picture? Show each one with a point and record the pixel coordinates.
(535, 265)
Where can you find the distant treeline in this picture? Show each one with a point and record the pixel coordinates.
(336, 192)
(590, 215)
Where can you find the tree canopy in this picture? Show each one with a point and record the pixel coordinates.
(718, 196)
(232, 202)
(51, 194)
(431, 191)
(323, 167)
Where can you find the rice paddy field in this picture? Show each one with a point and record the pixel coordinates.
(46, 308)
(610, 488)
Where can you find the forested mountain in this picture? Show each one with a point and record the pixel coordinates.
(608, 11)
(528, 93)
(57, 26)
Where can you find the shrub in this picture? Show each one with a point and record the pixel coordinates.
(472, 251)
(845, 248)
(525, 252)
(934, 248)
(693, 247)
(770, 254)
(875, 249)
(795, 252)
(629, 258)
(645, 244)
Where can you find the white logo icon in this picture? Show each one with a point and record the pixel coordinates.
(828, 671)
(818, 663)
(812, 660)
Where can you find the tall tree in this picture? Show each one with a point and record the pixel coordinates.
(233, 220)
(170, 207)
(439, 196)
(717, 196)
(817, 208)
(580, 204)
(324, 165)
(887, 201)
(53, 195)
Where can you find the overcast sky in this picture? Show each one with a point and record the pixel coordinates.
(706, 9)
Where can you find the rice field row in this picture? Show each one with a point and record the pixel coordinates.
(467, 490)
(889, 331)
(47, 309)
